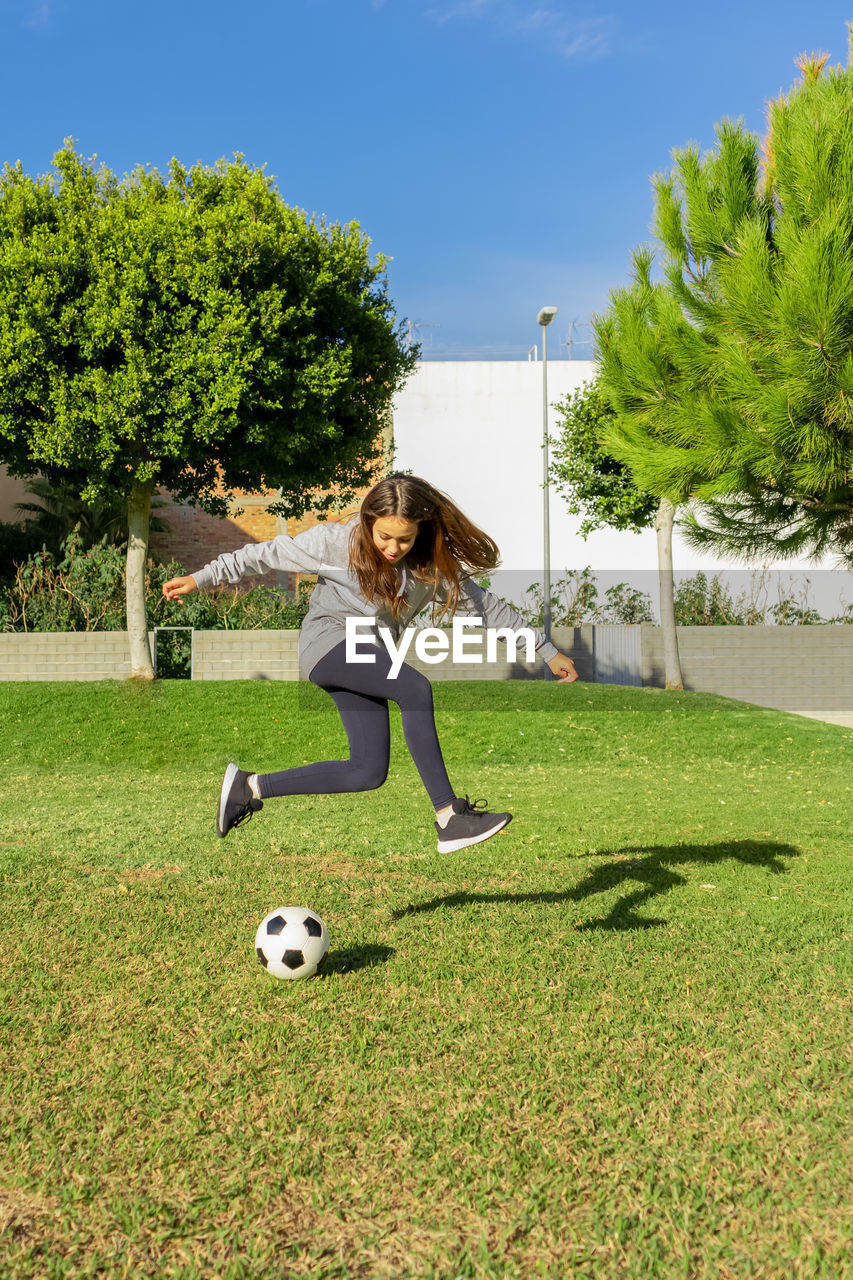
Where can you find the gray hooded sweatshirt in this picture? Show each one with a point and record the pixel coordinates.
(324, 550)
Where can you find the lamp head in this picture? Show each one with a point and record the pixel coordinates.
(546, 315)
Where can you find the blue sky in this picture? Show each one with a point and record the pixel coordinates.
(499, 151)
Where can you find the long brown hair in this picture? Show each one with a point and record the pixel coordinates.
(448, 546)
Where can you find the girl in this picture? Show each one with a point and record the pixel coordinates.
(409, 547)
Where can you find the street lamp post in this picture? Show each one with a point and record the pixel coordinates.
(546, 315)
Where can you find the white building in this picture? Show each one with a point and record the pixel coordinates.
(474, 430)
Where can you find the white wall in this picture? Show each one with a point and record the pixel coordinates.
(474, 429)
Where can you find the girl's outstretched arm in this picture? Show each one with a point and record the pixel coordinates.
(323, 544)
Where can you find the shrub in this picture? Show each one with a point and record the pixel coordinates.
(260, 608)
(700, 603)
(83, 590)
(626, 606)
(703, 603)
(574, 599)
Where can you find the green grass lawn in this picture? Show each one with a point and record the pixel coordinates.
(612, 1041)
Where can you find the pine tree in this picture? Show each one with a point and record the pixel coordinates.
(732, 377)
(760, 259)
(651, 357)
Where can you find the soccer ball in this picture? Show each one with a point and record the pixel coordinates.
(291, 942)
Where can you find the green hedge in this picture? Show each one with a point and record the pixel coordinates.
(83, 590)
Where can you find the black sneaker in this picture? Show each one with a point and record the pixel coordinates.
(469, 824)
(236, 802)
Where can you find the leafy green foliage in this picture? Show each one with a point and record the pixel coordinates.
(651, 360)
(595, 484)
(703, 603)
(574, 600)
(699, 601)
(761, 263)
(74, 591)
(731, 378)
(58, 510)
(626, 605)
(189, 331)
(192, 333)
(82, 589)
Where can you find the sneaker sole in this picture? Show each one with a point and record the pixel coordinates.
(227, 783)
(450, 846)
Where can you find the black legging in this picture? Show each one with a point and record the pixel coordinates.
(361, 692)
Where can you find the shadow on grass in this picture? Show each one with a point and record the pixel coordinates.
(651, 866)
(354, 958)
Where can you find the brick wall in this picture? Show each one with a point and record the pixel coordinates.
(193, 537)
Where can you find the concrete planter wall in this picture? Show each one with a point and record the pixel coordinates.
(805, 669)
(236, 655)
(248, 655)
(64, 655)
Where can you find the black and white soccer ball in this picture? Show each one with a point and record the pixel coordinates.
(291, 942)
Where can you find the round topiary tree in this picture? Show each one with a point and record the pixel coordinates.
(190, 332)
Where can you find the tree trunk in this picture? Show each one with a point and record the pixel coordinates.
(138, 518)
(663, 528)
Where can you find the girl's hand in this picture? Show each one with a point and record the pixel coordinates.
(564, 668)
(177, 587)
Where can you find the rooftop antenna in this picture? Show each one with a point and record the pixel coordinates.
(571, 341)
(413, 332)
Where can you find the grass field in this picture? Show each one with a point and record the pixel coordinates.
(614, 1041)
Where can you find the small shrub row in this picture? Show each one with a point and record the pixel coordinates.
(83, 590)
(700, 601)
